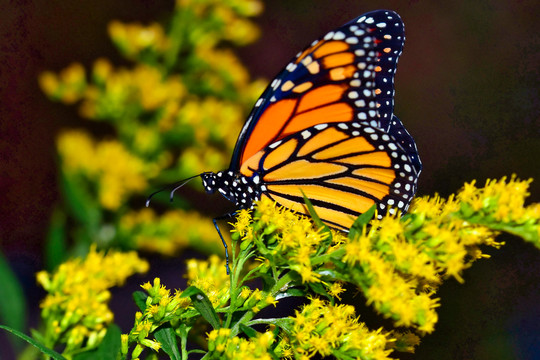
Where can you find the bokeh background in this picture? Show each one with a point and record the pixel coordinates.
(467, 89)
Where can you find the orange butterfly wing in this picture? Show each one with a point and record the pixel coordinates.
(325, 127)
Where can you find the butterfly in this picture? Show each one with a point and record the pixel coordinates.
(325, 127)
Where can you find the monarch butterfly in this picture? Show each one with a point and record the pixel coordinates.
(325, 128)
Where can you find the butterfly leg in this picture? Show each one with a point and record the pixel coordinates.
(215, 220)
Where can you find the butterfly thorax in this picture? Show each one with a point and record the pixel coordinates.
(235, 187)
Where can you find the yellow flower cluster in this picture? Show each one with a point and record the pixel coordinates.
(161, 307)
(452, 230)
(324, 329)
(297, 242)
(221, 345)
(75, 309)
(376, 261)
(398, 262)
(68, 86)
(210, 277)
(501, 205)
(162, 113)
(133, 39)
(122, 92)
(170, 232)
(450, 242)
(228, 19)
(106, 163)
(391, 293)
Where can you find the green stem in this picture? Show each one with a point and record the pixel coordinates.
(238, 265)
(176, 36)
(280, 284)
(243, 320)
(183, 344)
(263, 321)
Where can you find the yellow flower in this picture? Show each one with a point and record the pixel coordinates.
(242, 224)
(336, 289)
(307, 274)
(49, 83)
(77, 150)
(171, 232)
(321, 328)
(76, 305)
(224, 346)
(210, 277)
(134, 38)
(116, 171)
(102, 69)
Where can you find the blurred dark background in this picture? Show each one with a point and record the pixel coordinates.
(467, 89)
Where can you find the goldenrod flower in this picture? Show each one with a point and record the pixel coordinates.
(222, 346)
(117, 173)
(171, 232)
(75, 309)
(68, 86)
(321, 328)
(210, 277)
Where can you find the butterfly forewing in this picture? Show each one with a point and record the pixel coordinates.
(338, 78)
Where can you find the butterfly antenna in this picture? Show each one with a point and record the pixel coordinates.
(175, 186)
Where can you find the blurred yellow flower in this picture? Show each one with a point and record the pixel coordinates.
(135, 38)
(116, 171)
(68, 86)
(171, 232)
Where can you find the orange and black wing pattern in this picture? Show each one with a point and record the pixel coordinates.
(344, 169)
(325, 127)
(347, 75)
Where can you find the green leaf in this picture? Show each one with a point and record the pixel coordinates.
(330, 275)
(167, 338)
(13, 304)
(140, 299)
(55, 245)
(87, 355)
(81, 204)
(268, 281)
(290, 293)
(108, 349)
(111, 343)
(203, 305)
(318, 289)
(286, 324)
(28, 339)
(250, 332)
(316, 219)
(361, 222)
(38, 336)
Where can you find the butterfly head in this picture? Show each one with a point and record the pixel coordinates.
(240, 190)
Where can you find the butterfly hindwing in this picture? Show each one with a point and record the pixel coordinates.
(342, 168)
